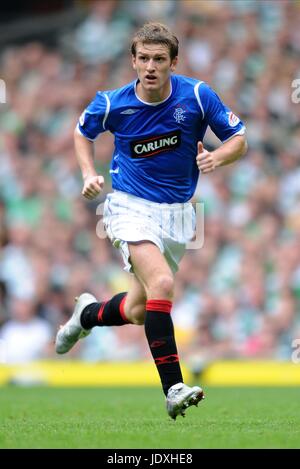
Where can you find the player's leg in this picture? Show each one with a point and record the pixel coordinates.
(135, 303)
(152, 270)
(155, 275)
(123, 308)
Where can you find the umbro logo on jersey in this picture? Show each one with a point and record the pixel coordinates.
(153, 145)
(129, 111)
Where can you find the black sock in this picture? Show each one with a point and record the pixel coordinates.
(160, 334)
(107, 313)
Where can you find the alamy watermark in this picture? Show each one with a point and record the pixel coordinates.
(296, 353)
(2, 352)
(2, 91)
(295, 96)
(182, 223)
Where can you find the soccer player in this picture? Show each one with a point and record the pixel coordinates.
(159, 122)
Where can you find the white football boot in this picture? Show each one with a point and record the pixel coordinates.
(72, 331)
(180, 397)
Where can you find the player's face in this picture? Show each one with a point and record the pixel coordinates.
(153, 66)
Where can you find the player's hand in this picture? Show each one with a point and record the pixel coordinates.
(92, 186)
(205, 160)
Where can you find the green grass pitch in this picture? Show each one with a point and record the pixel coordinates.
(41, 417)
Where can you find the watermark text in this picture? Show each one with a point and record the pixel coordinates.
(296, 353)
(295, 96)
(2, 91)
(3, 358)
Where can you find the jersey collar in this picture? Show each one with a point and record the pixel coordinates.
(152, 104)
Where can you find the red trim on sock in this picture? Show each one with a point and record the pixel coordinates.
(100, 313)
(167, 359)
(163, 306)
(122, 311)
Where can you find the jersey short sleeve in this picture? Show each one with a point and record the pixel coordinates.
(92, 120)
(222, 121)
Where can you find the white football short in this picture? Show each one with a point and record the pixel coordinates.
(130, 219)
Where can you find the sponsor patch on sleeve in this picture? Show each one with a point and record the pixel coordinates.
(233, 120)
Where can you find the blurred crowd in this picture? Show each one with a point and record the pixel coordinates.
(239, 295)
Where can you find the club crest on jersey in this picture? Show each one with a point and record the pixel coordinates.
(153, 145)
(233, 120)
(179, 113)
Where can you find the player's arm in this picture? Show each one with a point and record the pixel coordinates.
(92, 182)
(91, 124)
(227, 153)
(226, 126)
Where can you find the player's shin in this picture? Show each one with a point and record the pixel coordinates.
(160, 335)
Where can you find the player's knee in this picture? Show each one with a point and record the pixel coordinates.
(162, 287)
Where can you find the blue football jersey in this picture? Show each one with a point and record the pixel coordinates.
(156, 143)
